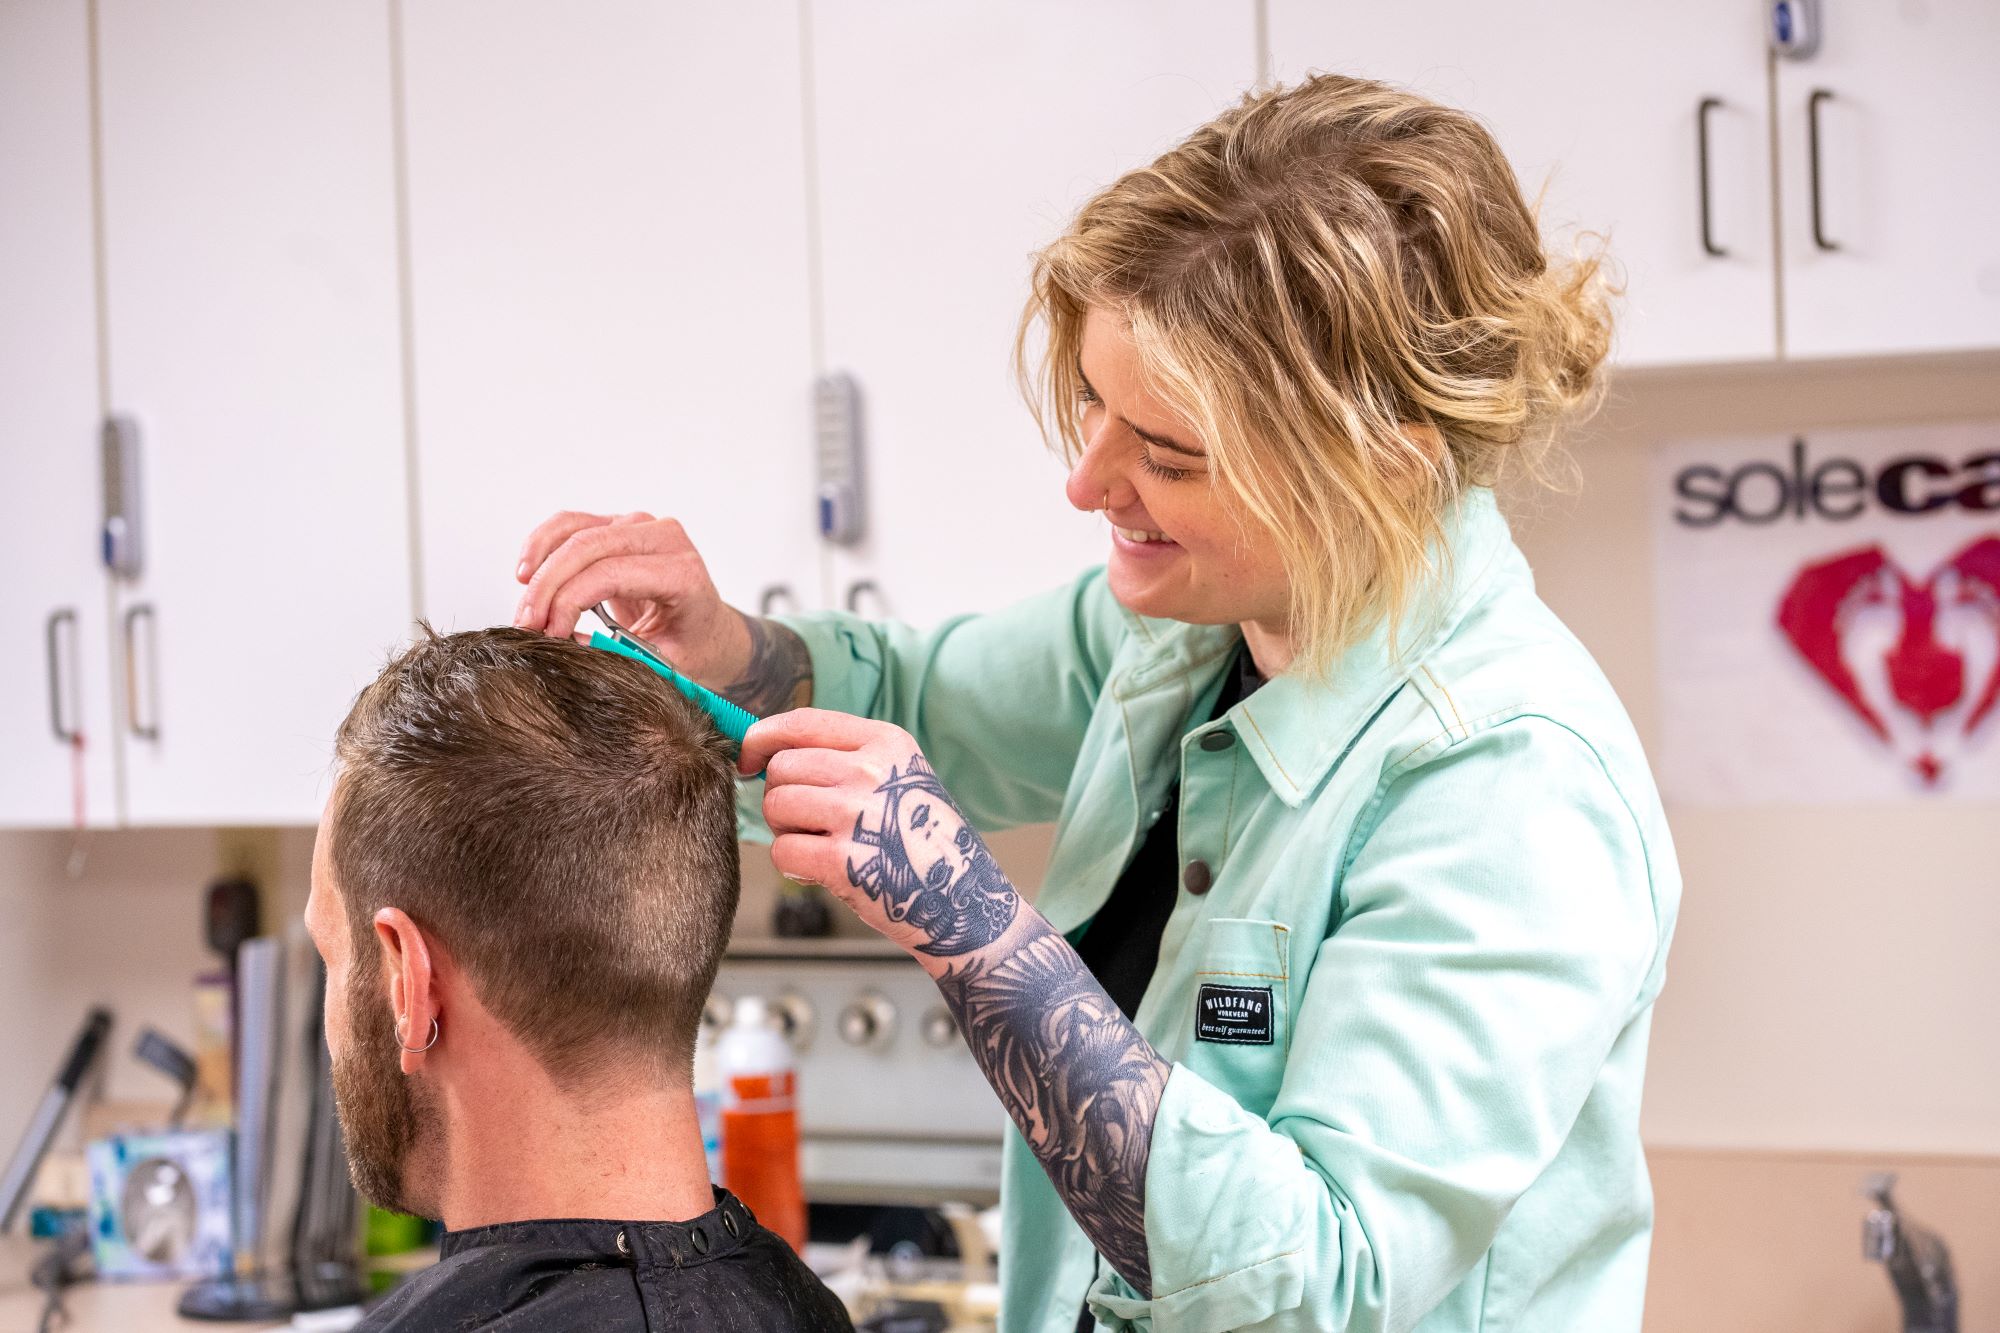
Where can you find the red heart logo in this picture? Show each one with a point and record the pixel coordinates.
(1924, 675)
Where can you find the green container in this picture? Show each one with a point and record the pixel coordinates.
(393, 1233)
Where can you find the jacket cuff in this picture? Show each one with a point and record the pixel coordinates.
(847, 670)
(1225, 1236)
(846, 656)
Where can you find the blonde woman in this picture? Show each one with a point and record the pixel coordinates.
(1332, 1011)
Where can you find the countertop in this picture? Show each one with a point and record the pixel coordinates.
(94, 1307)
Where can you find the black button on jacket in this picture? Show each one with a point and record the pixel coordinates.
(720, 1271)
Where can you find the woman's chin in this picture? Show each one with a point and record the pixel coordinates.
(1144, 593)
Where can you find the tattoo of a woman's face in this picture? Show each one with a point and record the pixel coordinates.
(929, 868)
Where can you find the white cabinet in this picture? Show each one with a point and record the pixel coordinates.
(252, 333)
(953, 139)
(1896, 246)
(55, 666)
(609, 250)
(1606, 107)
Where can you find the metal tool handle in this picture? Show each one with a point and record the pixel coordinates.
(1818, 96)
(145, 731)
(57, 619)
(1708, 244)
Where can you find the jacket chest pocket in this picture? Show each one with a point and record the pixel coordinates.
(1242, 1027)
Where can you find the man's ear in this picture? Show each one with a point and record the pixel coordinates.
(413, 984)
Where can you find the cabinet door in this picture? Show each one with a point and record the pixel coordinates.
(53, 668)
(1602, 107)
(1907, 194)
(251, 286)
(611, 305)
(953, 139)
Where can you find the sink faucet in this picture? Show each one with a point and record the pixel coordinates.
(1919, 1264)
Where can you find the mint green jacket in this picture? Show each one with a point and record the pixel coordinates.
(1450, 871)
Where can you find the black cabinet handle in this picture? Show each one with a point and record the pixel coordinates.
(145, 731)
(862, 588)
(58, 619)
(769, 600)
(1818, 96)
(1708, 244)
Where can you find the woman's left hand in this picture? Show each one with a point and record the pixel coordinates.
(853, 805)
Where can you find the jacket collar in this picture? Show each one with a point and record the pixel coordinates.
(1297, 728)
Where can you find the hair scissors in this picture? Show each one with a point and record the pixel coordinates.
(731, 719)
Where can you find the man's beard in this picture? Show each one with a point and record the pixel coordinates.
(383, 1113)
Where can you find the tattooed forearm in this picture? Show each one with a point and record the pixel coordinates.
(931, 869)
(1081, 1082)
(779, 676)
(1079, 1079)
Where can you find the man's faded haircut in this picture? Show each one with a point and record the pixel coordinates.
(562, 822)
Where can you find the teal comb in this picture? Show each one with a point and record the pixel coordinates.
(730, 719)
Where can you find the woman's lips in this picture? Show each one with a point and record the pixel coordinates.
(1155, 544)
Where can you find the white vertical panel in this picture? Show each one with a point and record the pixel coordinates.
(251, 278)
(1909, 192)
(611, 304)
(48, 419)
(953, 140)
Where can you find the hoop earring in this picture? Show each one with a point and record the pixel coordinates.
(418, 1050)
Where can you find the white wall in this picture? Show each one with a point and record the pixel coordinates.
(127, 934)
(1837, 969)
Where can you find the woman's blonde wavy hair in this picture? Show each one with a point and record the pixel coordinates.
(1306, 278)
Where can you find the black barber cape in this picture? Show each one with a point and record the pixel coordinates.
(719, 1271)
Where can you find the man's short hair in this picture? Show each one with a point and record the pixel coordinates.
(562, 821)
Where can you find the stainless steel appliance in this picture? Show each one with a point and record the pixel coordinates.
(892, 1108)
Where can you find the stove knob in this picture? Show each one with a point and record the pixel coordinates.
(938, 1028)
(796, 1019)
(870, 1020)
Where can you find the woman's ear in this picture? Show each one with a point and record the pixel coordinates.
(1426, 439)
(413, 988)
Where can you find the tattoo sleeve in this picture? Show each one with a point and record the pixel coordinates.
(1078, 1079)
(1081, 1082)
(779, 676)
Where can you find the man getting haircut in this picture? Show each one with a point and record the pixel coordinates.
(522, 885)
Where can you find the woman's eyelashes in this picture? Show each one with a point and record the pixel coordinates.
(1148, 465)
(1086, 398)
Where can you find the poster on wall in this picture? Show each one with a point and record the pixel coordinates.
(1829, 615)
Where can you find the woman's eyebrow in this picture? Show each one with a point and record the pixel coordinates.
(1162, 442)
(1157, 441)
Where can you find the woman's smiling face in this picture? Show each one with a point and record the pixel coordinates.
(1176, 553)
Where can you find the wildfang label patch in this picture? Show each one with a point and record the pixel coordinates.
(1236, 1015)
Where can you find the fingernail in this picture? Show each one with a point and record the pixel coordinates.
(521, 616)
(521, 571)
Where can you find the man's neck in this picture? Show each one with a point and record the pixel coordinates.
(523, 1149)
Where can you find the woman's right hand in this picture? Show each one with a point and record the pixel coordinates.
(652, 577)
